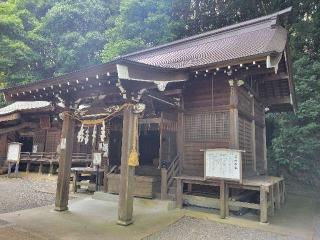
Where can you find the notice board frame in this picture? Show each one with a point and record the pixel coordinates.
(221, 178)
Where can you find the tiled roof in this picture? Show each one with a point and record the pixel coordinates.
(21, 106)
(261, 36)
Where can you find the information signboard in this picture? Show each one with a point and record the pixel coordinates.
(13, 154)
(224, 164)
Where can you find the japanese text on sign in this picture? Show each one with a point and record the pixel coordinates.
(223, 164)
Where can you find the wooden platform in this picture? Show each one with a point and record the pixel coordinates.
(271, 190)
(147, 182)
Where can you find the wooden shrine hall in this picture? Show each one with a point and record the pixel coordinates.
(37, 126)
(182, 119)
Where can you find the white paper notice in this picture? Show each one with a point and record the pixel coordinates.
(63, 143)
(223, 164)
(14, 152)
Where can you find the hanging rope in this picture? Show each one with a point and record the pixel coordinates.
(133, 160)
(97, 121)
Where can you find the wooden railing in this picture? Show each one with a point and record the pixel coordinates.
(167, 176)
(52, 158)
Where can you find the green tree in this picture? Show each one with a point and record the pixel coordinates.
(18, 58)
(140, 24)
(295, 147)
(72, 33)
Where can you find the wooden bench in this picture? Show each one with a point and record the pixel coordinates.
(271, 190)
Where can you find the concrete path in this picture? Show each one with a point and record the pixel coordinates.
(93, 219)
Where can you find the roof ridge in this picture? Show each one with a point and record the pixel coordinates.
(215, 31)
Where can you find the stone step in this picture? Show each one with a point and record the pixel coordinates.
(141, 202)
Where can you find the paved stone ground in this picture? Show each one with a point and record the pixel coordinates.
(27, 192)
(189, 228)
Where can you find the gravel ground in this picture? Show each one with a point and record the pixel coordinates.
(189, 228)
(27, 192)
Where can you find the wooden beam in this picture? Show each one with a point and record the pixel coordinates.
(135, 71)
(276, 100)
(10, 117)
(65, 160)
(81, 75)
(162, 99)
(273, 77)
(18, 127)
(125, 208)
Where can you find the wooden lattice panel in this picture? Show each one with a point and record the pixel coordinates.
(245, 143)
(259, 148)
(39, 140)
(274, 88)
(193, 161)
(211, 126)
(258, 112)
(52, 141)
(245, 102)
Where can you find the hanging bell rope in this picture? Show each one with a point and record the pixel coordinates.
(133, 160)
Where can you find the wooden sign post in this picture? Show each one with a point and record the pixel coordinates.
(224, 165)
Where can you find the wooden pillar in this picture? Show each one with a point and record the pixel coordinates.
(65, 159)
(40, 168)
(164, 183)
(179, 193)
(263, 205)
(125, 208)
(51, 168)
(227, 199)
(253, 135)
(234, 117)
(9, 169)
(105, 178)
(283, 192)
(28, 167)
(75, 182)
(265, 144)
(222, 199)
(189, 187)
(180, 140)
(271, 196)
(277, 195)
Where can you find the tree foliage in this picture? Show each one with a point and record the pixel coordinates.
(140, 24)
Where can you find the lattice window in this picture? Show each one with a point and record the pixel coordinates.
(53, 139)
(207, 126)
(245, 143)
